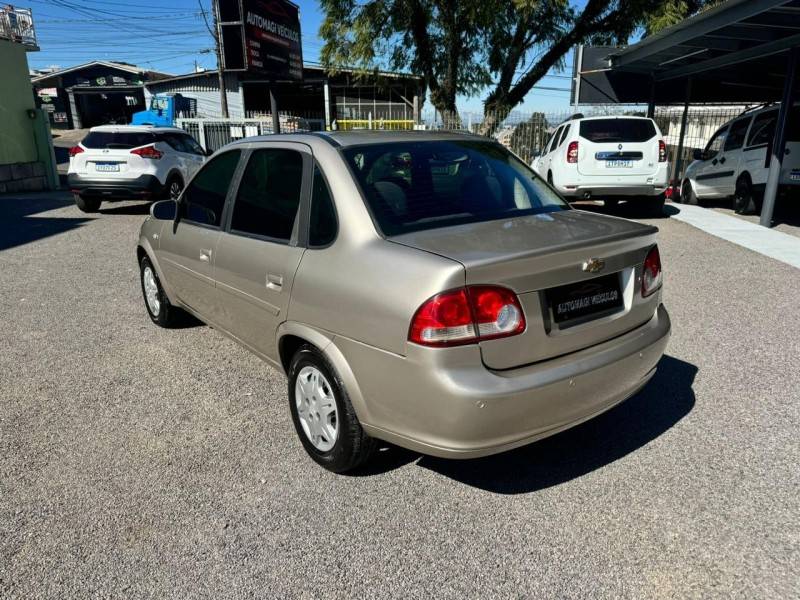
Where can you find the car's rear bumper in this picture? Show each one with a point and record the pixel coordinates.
(144, 186)
(445, 402)
(627, 191)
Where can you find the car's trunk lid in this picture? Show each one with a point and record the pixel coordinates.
(534, 255)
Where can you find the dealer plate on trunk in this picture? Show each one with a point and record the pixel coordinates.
(590, 297)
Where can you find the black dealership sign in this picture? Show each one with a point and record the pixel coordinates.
(261, 36)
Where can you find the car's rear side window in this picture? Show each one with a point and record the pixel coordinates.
(269, 194)
(322, 226)
(203, 200)
(410, 186)
(617, 130)
(763, 128)
(111, 140)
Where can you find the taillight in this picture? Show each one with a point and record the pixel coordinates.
(651, 272)
(662, 151)
(148, 152)
(467, 315)
(75, 150)
(572, 152)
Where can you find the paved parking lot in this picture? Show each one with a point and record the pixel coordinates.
(137, 462)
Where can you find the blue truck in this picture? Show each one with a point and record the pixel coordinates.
(164, 109)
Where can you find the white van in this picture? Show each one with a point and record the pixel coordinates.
(607, 158)
(735, 162)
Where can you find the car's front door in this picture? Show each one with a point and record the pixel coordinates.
(707, 174)
(187, 247)
(259, 253)
(731, 156)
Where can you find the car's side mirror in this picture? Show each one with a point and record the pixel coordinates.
(697, 154)
(164, 210)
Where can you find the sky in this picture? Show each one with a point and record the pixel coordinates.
(170, 36)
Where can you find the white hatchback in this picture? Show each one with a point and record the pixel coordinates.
(735, 162)
(124, 162)
(607, 158)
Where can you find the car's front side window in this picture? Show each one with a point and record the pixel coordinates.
(204, 199)
(738, 130)
(269, 194)
(715, 144)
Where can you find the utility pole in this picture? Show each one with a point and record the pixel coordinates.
(215, 33)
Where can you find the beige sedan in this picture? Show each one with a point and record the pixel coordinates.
(424, 289)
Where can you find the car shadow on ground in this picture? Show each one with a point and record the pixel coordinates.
(19, 226)
(140, 208)
(666, 399)
(627, 210)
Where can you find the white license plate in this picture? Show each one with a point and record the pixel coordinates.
(109, 167)
(794, 175)
(619, 164)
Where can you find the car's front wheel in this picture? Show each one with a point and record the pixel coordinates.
(161, 312)
(86, 204)
(323, 415)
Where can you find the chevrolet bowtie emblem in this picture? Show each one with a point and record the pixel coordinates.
(593, 265)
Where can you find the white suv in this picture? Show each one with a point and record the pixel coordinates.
(607, 158)
(115, 162)
(735, 162)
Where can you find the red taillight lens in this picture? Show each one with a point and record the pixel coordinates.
(148, 152)
(572, 152)
(75, 150)
(651, 272)
(467, 315)
(662, 151)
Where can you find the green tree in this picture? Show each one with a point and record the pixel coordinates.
(464, 46)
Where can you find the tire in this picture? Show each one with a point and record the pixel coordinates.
(687, 194)
(611, 203)
(744, 200)
(550, 178)
(87, 205)
(173, 188)
(161, 312)
(328, 428)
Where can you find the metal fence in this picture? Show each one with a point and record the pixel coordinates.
(523, 132)
(16, 24)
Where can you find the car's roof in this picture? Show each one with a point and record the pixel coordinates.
(598, 117)
(365, 137)
(135, 129)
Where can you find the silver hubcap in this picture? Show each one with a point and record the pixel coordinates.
(316, 408)
(151, 291)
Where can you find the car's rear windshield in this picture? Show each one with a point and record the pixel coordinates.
(118, 140)
(617, 130)
(410, 186)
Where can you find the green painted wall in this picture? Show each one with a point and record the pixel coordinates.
(17, 143)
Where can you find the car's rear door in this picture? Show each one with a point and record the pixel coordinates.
(259, 252)
(187, 248)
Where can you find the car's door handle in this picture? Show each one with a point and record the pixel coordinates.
(715, 161)
(205, 255)
(722, 160)
(274, 282)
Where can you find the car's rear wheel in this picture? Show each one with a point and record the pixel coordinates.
(323, 416)
(174, 187)
(86, 204)
(744, 201)
(611, 202)
(161, 312)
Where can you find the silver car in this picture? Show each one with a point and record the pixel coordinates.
(425, 289)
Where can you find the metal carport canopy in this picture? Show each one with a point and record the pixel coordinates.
(738, 50)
